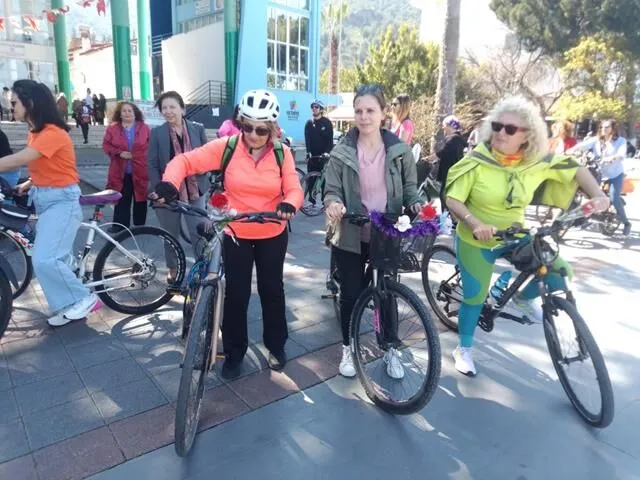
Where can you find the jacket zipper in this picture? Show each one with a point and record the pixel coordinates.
(393, 181)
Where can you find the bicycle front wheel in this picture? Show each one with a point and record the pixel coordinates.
(574, 350)
(6, 302)
(313, 185)
(16, 255)
(139, 287)
(194, 371)
(396, 348)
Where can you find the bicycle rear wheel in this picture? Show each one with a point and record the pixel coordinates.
(194, 370)
(391, 335)
(313, 186)
(572, 347)
(6, 302)
(142, 287)
(16, 255)
(442, 284)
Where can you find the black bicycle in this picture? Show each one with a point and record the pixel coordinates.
(386, 326)
(571, 345)
(202, 314)
(313, 186)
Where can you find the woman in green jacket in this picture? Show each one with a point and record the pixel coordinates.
(489, 190)
(370, 169)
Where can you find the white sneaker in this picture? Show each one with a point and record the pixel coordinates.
(347, 369)
(58, 320)
(394, 366)
(463, 361)
(83, 308)
(532, 309)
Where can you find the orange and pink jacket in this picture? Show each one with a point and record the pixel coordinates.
(250, 185)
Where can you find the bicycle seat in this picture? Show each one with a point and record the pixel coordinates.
(105, 197)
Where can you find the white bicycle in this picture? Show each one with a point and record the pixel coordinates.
(137, 271)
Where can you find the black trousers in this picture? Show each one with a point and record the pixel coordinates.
(314, 164)
(85, 131)
(268, 255)
(122, 210)
(352, 282)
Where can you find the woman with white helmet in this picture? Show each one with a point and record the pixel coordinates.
(255, 180)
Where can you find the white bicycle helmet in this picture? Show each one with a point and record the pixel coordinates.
(260, 105)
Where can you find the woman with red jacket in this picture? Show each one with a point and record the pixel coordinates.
(254, 181)
(126, 142)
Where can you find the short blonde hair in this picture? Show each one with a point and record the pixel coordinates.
(537, 139)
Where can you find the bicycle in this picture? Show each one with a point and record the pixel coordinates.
(136, 270)
(388, 334)
(313, 186)
(532, 255)
(202, 315)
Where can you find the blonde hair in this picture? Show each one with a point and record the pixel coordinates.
(404, 107)
(562, 128)
(536, 144)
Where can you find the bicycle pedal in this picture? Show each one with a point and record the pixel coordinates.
(329, 296)
(176, 290)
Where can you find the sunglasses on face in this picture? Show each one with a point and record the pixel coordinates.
(13, 103)
(509, 129)
(260, 131)
(394, 104)
(315, 107)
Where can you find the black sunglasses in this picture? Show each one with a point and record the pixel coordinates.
(394, 104)
(509, 129)
(260, 131)
(13, 103)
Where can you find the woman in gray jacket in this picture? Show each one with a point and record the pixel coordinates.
(177, 135)
(370, 169)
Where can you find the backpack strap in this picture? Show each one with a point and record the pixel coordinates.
(279, 153)
(230, 148)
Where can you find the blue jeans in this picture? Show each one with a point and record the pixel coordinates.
(60, 216)
(615, 191)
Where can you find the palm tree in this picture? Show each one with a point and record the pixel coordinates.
(446, 89)
(332, 17)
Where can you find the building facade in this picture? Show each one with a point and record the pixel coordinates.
(26, 44)
(279, 44)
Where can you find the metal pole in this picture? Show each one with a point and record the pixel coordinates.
(62, 52)
(144, 52)
(230, 46)
(122, 49)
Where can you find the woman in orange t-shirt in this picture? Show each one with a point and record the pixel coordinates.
(53, 188)
(254, 182)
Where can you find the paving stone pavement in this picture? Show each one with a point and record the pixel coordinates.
(80, 399)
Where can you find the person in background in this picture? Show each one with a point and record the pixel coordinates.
(102, 103)
(231, 126)
(611, 150)
(126, 142)
(561, 141)
(98, 115)
(89, 99)
(75, 109)
(84, 117)
(174, 137)
(370, 169)
(450, 153)
(10, 176)
(62, 104)
(401, 124)
(53, 188)
(254, 182)
(472, 141)
(318, 138)
(5, 104)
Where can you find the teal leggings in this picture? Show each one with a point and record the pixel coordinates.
(476, 267)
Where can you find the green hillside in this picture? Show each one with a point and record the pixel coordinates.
(365, 22)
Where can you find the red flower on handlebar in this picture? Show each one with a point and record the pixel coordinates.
(219, 201)
(428, 212)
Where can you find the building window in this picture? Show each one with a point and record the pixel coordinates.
(199, 22)
(287, 50)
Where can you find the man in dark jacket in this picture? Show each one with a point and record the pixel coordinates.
(318, 137)
(451, 152)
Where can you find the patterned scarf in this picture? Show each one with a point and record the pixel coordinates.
(189, 191)
(508, 160)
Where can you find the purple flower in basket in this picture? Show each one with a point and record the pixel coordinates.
(418, 229)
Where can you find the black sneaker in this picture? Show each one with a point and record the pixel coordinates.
(277, 362)
(231, 369)
(627, 229)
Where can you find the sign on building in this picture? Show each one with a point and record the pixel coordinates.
(202, 7)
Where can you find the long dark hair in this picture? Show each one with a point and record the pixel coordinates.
(117, 114)
(236, 113)
(39, 104)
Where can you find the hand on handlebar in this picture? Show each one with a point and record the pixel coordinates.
(285, 210)
(484, 233)
(599, 204)
(335, 211)
(164, 192)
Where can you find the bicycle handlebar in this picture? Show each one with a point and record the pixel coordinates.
(249, 217)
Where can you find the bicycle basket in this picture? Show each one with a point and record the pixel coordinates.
(384, 250)
(14, 217)
(412, 250)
